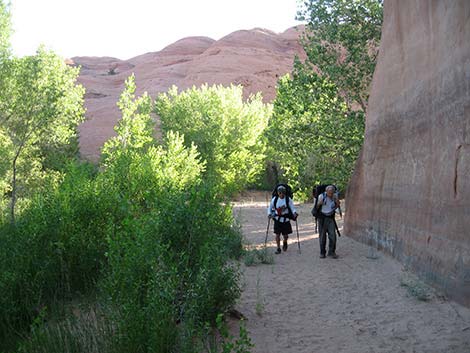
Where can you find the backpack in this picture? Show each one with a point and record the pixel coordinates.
(317, 191)
(289, 194)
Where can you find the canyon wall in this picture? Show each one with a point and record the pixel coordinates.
(410, 193)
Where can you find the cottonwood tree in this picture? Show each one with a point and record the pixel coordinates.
(341, 41)
(324, 102)
(5, 30)
(41, 106)
(226, 130)
(315, 140)
(135, 130)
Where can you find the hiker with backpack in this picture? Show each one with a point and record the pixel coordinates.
(324, 211)
(282, 210)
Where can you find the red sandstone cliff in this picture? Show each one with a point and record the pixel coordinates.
(410, 193)
(253, 58)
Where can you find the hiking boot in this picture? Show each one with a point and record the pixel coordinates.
(333, 256)
(284, 246)
(322, 256)
(278, 251)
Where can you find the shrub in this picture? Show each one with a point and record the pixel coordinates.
(56, 248)
(169, 254)
(147, 233)
(226, 130)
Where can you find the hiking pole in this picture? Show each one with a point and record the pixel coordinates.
(267, 231)
(298, 239)
(336, 226)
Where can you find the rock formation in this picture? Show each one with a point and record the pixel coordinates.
(253, 58)
(410, 193)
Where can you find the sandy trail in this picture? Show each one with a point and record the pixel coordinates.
(354, 304)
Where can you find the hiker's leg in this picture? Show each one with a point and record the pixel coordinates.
(277, 233)
(284, 243)
(278, 240)
(286, 230)
(322, 236)
(331, 236)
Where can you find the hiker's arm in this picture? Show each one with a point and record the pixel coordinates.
(293, 209)
(271, 209)
(337, 202)
(320, 200)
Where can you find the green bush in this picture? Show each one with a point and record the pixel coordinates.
(258, 256)
(226, 130)
(168, 259)
(88, 331)
(56, 248)
(146, 235)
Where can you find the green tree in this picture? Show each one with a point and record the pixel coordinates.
(5, 148)
(41, 106)
(226, 130)
(323, 105)
(5, 30)
(136, 128)
(314, 138)
(342, 41)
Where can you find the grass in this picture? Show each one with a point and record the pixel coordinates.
(259, 309)
(254, 257)
(78, 333)
(416, 288)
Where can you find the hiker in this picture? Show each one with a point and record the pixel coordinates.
(327, 204)
(282, 212)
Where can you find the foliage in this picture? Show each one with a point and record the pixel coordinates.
(5, 30)
(168, 257)
(168, 254)
(416, 288)
(342, 41)
(317, 141)
(135, 129)
(258, 256)
(226, 130)
(145, 232)
(40, 109)
(56, 248)
(231, 345)
(87, 332)
(321, 108)
(5, 147)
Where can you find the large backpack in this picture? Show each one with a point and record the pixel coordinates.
(289, 194)
(317, 191)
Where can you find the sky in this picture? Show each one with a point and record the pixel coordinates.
(127, 28)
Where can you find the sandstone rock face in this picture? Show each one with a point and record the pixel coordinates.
(253, 58)
(410, 194)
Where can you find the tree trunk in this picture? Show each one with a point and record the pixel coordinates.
(13, 192)
(13, 186)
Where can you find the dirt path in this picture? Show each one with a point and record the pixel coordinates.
(355, 304)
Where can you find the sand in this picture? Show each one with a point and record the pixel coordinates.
(356, 303)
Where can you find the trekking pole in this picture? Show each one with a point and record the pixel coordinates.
(269, 221)
(267, 231)
(298, 239)
(336, 226)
